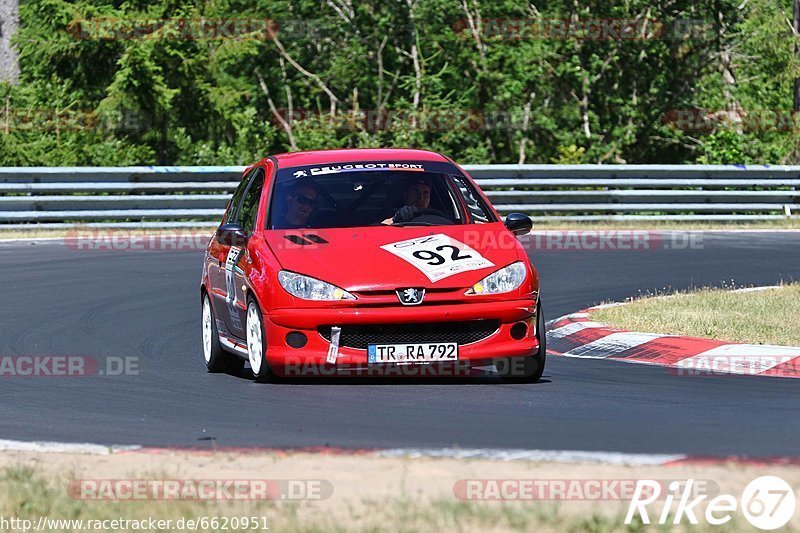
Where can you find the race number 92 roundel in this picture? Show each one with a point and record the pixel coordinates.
(438, 256)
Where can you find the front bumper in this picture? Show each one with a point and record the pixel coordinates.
(311, 358)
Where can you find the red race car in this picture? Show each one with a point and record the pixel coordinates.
(369, 262)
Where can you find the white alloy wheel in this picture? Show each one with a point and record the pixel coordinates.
(208, 329)
(255, 341)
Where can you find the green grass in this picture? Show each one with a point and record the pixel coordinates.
(763, 317)
(25, 493)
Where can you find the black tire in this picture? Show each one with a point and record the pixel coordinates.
(217, 359)
(526, 369)
(262, 372)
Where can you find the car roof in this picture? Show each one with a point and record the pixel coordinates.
(349, 155)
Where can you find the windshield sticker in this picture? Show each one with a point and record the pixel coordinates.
(438, 256)
(361, 167)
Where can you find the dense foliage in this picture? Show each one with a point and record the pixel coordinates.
(107, 82)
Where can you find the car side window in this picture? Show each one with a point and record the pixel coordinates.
(477, 211)
(249, 208)
(452, 206)
(233, 211)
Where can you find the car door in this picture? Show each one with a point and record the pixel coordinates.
(238, 265)
(221, 261)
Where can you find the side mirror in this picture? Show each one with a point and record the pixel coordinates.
(231, 235)
(519, 223)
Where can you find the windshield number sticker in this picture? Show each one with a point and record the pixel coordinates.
(438, 256)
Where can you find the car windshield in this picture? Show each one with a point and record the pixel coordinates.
(346, 195)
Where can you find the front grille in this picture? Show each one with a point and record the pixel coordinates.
(464, 332)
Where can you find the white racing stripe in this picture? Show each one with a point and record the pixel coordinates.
(758, 289)
(492, 454)
(32, 240)
(557, 456)
(611, 345)
(62, 447)
(572, 316)
(574, 327)
(606, 306)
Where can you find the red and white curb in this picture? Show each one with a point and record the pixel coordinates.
(577, 335)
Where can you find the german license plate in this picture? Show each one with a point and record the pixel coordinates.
(412, 353)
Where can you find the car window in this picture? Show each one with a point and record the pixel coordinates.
(369, 194)
(477, 210)
(249, 208)
(236, 199)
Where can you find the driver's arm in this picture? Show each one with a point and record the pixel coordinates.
(404, 214)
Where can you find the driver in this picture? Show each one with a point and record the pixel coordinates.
(416, 198)
(300, 204)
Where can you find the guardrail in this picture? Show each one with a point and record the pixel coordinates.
(196, 196)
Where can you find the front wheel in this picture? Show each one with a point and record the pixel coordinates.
(526, 369)
(256, 343)
(217, 359)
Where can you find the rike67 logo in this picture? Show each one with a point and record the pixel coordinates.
(767, 502)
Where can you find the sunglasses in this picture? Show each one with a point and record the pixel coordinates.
(305, 200)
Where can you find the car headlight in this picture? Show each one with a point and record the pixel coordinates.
(504, 280)
(309, 288)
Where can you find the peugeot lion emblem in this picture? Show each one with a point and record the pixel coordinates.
(410, 296)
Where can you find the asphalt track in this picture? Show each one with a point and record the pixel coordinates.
(145, 304)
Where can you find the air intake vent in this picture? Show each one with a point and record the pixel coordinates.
(464, 332)
(316, 238)
(305, 240)
(296, 239)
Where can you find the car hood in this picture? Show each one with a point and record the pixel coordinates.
(359, 259)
